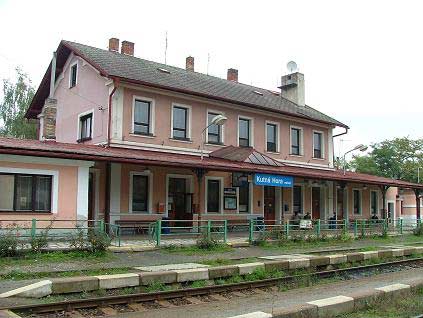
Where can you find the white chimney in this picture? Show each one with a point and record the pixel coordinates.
(292, 88)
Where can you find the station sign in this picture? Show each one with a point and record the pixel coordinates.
(273, 180)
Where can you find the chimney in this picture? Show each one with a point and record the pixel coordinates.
(232, 75)
(292, 88)
(189, 64)
(48, 118)
(114, 45)
(127, 48)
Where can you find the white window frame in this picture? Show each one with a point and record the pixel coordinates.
(277, 136)
(189, 108)
(91, 111)
(361, 201)
(322, 142)
(291, 210)
(221, 127)
(221, 186)
(377, 202)
(149, 174)
(251, 135)
(70, 74)
(152, 115)
(301, 141)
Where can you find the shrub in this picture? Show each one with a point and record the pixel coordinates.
(77, 240)
(8, 244)
(40, 241)
(418, 231)
(98, 241)
(206, 243)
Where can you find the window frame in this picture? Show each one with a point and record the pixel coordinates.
(151, 115)
(149, 176)
(360, 203)
(277, 140)
(322, 144)
(187, 129)
(302, 200)
(377, 202)
(300, 141)
(33, 192)
(250, 131)
(221, 185)
(220, 127)
(81, 117)
(73, 66)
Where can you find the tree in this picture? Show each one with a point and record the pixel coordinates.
(16, 98)
(398, 158)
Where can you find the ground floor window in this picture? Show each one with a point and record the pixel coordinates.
(297, 199)
(244, 198)
(357, 201)
(25, 192)
(213, 195)
(140, 193)
(373, 202)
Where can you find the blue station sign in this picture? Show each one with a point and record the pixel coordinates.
(273, 180)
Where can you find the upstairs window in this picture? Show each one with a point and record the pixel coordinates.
(180, 123)
(25, 192)
(317, 145)
(73, 75)
(357, 201)
(214, 132)
(85, 127)
(271, 135)
(244, 132)
(142, 117)
(296, 141)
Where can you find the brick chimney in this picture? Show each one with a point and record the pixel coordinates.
(189, 64)
(232, 75)
(127, 48)
(48, 117)
(114, 44)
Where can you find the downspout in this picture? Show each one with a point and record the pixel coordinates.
(109, 123)
(333, 144)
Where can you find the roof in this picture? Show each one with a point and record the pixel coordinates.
(53, 149)
(244, 154)
(141, 71)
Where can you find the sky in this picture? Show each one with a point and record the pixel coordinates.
(362, 60)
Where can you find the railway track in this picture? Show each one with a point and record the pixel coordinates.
(100, 306)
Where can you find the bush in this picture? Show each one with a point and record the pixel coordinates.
(8, 244)
(206, 243)
(418, 231)
(77, 240)
(98, 241)
(39, 242)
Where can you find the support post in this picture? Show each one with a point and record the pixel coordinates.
(251, 231)
(102, 227)
(33, 228)
(107, 193)
(200, 172)
(384, 188)
(158, 232)
(400, 226)
(225, 231)
(355, 228)
(417, 193)
(287, 229)
(345, 226)
(363, 231)
(208, 229)
(318, 228)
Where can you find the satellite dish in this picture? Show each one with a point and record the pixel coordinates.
(292, 66)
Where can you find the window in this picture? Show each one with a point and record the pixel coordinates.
(180, 123)
(298, 199)
(139, 193)
(214, 132)
(244, 198)
(142, 117)
(317, 145)
(73, 75)
(244, 132)
(24, 192)
(213, 195)
(357, 201)
(373, 202)
(85, 127)
(296, 141)
(271, 135)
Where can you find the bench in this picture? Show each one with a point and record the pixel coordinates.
(137, 226)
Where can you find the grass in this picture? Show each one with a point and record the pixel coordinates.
(225, 261)
(195, 250)
(398, 308)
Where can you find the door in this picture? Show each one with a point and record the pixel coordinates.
(315, 202)
(179, 200)
(269, 205)
(339, 204)
(391, 210)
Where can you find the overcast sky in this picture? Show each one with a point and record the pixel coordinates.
(362, 60)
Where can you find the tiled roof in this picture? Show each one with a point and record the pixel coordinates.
(144, 157)
(137, 70)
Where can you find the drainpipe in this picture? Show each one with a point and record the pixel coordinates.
(333, 137)
(109, 123)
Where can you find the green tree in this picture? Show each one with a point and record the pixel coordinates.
(398, 158)
(16, 98)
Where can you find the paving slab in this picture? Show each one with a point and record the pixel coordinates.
(249, 268)
(319, 261)
(223, 271)
(365, 298)
(118, 280)
(397, 252)
(333, 305)
(337, 259)
(385, 253)
(276, 265)
(370, 254)
(299, 263)
(395, 290)
(36, 290)
(285, 256)
(189, 275)
(295, 311)
(355, 257)
(170, 267)
(256, 314)
(8, 314)
(74, 284)
(166, 277)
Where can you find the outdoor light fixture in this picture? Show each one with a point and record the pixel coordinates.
(360, 147)
(217, 120)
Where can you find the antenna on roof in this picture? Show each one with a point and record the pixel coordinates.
(208, 62)
(165, 49)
